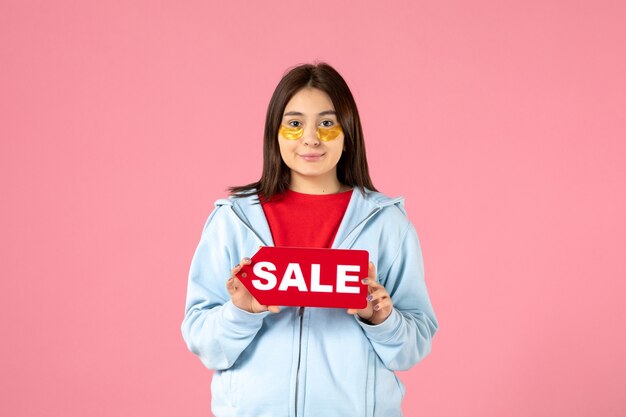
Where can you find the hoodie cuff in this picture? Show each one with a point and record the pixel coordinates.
(383, 331)
(242, 319)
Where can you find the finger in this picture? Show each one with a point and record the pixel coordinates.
(384, 305)
(236, 284)
(371, 274)
(230, 285)
(378, 295)
(241, 264)
(352, 311)
(372, 285)
(235, 270)
(371, 271)
(380, 303)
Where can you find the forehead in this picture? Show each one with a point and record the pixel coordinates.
(309, 100)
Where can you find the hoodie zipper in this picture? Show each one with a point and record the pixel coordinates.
(300, 314)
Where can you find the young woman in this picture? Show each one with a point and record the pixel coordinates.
(315, 191)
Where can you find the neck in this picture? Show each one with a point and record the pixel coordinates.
(305, 185)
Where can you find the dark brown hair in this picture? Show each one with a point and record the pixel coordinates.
(352, 167)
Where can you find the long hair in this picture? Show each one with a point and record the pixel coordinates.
(352, 168)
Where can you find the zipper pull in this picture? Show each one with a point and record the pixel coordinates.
(300, 311)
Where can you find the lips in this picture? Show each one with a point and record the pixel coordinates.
(311, 156)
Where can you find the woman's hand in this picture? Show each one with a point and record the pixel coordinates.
(240, 295)
(379, 303)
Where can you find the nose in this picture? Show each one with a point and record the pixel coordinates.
(309, 138)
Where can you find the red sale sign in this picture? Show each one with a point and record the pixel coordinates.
(307, 277)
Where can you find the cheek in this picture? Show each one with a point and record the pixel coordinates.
(286, 148)
(339, 147)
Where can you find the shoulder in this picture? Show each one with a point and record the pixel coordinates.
(228, 209)
(390, 208)
(234, 202)
(238, 200)
(221, 212)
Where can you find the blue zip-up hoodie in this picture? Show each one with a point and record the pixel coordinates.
(313, 362)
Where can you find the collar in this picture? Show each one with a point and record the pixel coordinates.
(362, 207)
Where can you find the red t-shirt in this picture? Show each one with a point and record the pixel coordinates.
(306, 220)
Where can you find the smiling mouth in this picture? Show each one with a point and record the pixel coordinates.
(311, 156)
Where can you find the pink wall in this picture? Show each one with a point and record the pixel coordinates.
(502, 123)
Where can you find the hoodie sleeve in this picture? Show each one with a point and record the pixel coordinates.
(213, 327)
(406, 336)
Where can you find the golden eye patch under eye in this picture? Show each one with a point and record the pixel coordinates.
(325, 134)
(290, 133)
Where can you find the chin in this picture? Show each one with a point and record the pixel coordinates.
(309, 174)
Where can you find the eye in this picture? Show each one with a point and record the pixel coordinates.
(327, 123)
(294, 123)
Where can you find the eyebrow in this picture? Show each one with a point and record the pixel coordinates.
(297, 113)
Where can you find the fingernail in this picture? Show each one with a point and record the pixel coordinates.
(376, 307)
(247, 259)
(370, 298)
(364, 280)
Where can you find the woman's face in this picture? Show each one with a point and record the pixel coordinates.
(308, 157)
